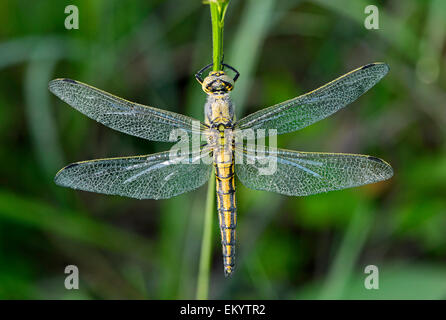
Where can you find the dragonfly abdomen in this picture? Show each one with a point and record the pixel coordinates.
(224, 174)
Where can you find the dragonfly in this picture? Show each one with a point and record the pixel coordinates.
(162, 176)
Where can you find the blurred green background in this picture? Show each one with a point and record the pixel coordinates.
(288, 248)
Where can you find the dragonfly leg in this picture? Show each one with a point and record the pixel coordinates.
(199, 74)
(237, 74)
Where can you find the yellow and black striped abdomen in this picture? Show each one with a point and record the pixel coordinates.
(224, 174)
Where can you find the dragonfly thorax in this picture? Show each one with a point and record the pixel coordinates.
(219, 110)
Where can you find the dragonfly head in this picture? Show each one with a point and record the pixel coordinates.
(217, 82)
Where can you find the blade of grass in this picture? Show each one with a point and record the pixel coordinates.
(206, 244)
(218, 11)
(348, 252)
(399, 34)
(246, 46)
(76, 225)
(40, 118)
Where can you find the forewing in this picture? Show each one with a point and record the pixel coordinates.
(311, 107)
(156, 176)
(306, 173)
(122, 115)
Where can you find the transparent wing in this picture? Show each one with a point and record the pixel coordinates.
(156, 176)
(304, 173)
(311, 107)
(122, 115)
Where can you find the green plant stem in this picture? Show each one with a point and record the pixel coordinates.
(348, 252)
(218, 10)
(206, 244)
